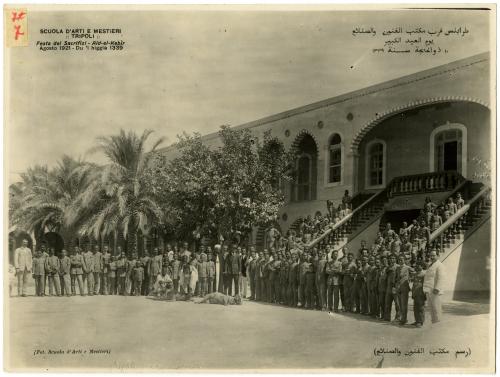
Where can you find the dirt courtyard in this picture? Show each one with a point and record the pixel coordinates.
(115, 332)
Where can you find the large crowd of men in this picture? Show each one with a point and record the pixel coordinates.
(287, 272)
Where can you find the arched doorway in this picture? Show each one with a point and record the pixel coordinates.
(304, 184)
(53, 239)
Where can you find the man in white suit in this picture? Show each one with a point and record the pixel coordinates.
(23, 262)
(433, 286)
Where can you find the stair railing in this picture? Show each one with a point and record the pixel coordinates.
(341, 227)
(453, 225)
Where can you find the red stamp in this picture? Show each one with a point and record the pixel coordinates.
(16, 27)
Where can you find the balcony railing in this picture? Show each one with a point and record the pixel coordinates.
(421, 183)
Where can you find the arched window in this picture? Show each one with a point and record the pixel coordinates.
(335, 159)
(306, 163)
(375, 164)
(449, 148)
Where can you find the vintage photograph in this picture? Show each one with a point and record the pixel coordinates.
(249, 188)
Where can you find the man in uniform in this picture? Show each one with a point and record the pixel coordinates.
(39, 273)
(333, 270)
(106, 260)
(88, 269)
(381, 287)
(23, 262)
(293, 281)
(349, 270)
(76, 271)
(146, 265)
(98, 269)
(321, 280)
(52, 267)
(390, 293)
(121, 272)
(65, 273)
(156, 268)
(403, 289)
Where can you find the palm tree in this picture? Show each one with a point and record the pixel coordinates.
(117, 198)
(44, 198)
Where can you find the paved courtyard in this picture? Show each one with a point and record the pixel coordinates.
(137, 332)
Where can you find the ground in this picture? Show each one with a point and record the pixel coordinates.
(143, 333)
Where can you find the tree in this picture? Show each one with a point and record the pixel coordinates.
(44, 198)
(118, 200)
(220, 191)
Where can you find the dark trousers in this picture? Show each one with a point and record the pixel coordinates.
(210, 284)
(277, 290)
(302, 293)
(347, 303)
(176, 285)
(310, 288)
(321, 292)
(256, 294)
(404, 291)
(373, 299)
(145, 285)
(419, 308)
(333, 297)
(40, 285)
(252, 287)
(342, 297)
(381, 304)
(389, 299)
(292, 295)
(356, 297)
(270, 290)
(363, 294)
(263, 290)
(284, 292)
(121, 285)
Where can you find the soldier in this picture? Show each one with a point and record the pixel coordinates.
(293, 281)
(52, 268)
(76, 271)
(39, 273)
(333, 270)
(106, 259)
(98, 270)
(65, 273)
(88, 270)
(349, 270)
(146, 265)
(321, 280)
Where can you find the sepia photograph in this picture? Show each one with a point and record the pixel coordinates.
(250, 188)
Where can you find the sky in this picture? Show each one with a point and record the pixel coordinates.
(192, 71)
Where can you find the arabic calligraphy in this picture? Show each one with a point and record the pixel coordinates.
(420, 351)
(414, 40)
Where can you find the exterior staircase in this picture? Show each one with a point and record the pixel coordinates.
(373, 209)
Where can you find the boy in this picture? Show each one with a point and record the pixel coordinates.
(138, 277)
(202, 274)
(112, 275)
(52, 269)
(76, 272)
(418, 295)
(210, 273)
(64, 273)
(39, 273)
